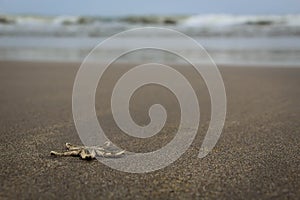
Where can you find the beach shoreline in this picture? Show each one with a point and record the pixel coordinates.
(256, 157)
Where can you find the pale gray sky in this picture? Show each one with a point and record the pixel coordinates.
(139, 7)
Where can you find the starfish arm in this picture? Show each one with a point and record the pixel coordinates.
(99, 152)
(109, 154)
(120, 153)
(67, 153)
(85, 155)
(73, 147)
(107, 143)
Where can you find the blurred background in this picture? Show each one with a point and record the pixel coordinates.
(260, 32)
(42, 44)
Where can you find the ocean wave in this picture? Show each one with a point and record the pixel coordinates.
(233, 20)
(6, 19)
(197, 25)
(85, 20)
(192, 21)
(167, 20)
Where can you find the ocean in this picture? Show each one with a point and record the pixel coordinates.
(229, 39)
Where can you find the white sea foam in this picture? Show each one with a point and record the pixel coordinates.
(231, 20)
(32, 20)
(195, 20)
(65, 20)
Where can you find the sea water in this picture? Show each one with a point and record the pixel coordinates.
(229, 39)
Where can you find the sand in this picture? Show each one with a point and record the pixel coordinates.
(257, 156)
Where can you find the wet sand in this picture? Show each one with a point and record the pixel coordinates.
(257, 156)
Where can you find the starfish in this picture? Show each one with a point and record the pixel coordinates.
(88, 153)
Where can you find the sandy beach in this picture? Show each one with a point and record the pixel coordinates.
(257, 156)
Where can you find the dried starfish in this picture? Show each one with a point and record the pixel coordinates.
(88, 153)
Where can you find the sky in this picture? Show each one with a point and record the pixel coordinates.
(148, 7)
